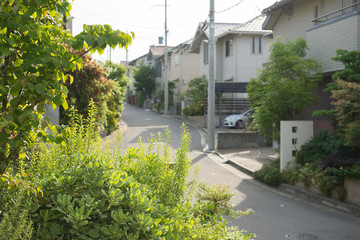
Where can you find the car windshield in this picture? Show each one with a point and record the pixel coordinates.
(246, 112)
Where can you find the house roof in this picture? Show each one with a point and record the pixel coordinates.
(185, 44)
(156, 51)
(203, 32)
(273, 13)
(253, 26)
(276, 5)
(133, 62)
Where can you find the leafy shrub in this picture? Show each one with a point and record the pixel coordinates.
(353, 172)
(327, 150)
(80, 189)
(308, 174)
(291, 175)
(270, 174)
(15, 223)
(97, 200)
(193, 110)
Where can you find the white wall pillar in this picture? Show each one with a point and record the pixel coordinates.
(293, 134)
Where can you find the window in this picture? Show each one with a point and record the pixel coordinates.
(177, 59)
(253, 45)
(357, 7)
(260, 43)
(343, 5)
(316, 11)
(206, 52)
(229, 48)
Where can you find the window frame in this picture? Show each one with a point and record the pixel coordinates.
(229, 48)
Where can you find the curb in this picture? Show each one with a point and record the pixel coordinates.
(236, 165)
(328, 202)
(299, 192)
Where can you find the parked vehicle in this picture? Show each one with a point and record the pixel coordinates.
(238, 120)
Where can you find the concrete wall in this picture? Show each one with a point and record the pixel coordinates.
(53, 115)
(239, 140)
(293, 134)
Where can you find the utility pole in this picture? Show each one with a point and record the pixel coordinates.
(127, 74)
(166, 90)
(211, 84)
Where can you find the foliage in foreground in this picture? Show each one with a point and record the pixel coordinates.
(35, 62)
(83, 188)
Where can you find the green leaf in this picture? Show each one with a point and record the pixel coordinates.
(65, 105)
(101, 41)
(56, 229)
(40, 87)
(5, 51)
(105, 231)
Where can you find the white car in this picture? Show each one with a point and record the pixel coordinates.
(238, 120)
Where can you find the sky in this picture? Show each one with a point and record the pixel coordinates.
(146, 18)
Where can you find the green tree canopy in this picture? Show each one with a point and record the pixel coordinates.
(35, 60)
(116, 73)
(196, 95)
(160, 95)
(345, 91)
(284, 86)
(144, 76)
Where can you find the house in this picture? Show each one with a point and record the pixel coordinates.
(183, 66)
(240, 50)
(152, 57)
(131, 92)
(327, 25)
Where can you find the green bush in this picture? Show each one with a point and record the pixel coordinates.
(84, 188)
(327, 150)
(98, 200)
(353, 172)
(270, 174)
(291, 175)
(15, 222)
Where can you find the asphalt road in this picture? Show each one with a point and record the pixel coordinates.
(277, 216)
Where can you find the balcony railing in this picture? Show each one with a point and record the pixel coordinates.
(337, 13)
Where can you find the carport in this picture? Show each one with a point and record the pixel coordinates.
(229, 106)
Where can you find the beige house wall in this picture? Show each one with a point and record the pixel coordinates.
(184, 67)
(342, 34)
(323, 38)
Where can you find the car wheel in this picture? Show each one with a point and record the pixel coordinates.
(239, 124)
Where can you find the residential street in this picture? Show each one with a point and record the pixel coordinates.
(277, 216)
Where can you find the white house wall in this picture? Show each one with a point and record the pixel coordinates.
(243, 65)
(292, 24)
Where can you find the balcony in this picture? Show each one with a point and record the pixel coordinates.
(336, 30)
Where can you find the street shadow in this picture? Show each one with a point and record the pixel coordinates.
(198, 159)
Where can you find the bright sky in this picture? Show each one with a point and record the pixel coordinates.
(147, 19)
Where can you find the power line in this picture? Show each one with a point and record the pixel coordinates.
(225, 10)
(113, 20)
